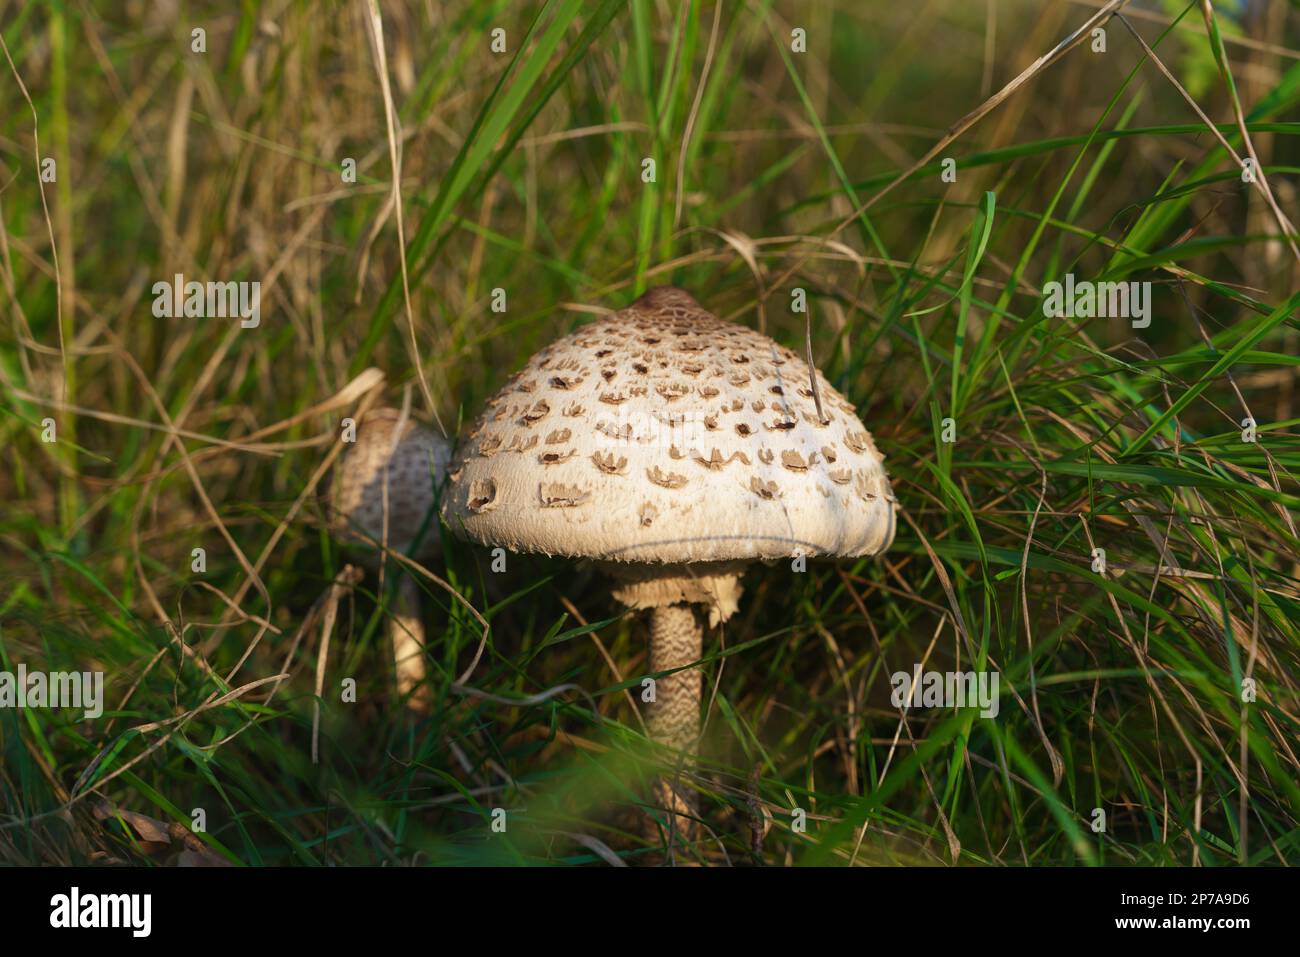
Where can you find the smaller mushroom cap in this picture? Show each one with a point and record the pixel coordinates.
(662, 433)
(415, 464)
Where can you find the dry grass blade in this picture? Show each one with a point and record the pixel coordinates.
(347, 579)
(1259, 179)
(49, 223)
(375, 27)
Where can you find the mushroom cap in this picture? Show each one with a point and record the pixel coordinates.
(416, 465)
(662, 433)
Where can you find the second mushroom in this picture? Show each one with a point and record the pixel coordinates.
(382, 495)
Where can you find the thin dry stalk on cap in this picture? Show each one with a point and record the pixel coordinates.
(673, 448)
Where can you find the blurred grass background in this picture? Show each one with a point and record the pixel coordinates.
(522, 170)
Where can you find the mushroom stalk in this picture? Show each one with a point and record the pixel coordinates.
(406, 632)
(673, 720)
(678, 596)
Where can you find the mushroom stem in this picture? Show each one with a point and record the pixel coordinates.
(676, 641)
(406, 631)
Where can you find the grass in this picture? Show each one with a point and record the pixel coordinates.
(1121, 688)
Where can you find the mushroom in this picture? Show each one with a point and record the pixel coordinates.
(673, 448)
(391, 474)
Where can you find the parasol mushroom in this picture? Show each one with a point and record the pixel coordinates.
(382, 494)
(672, 447)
